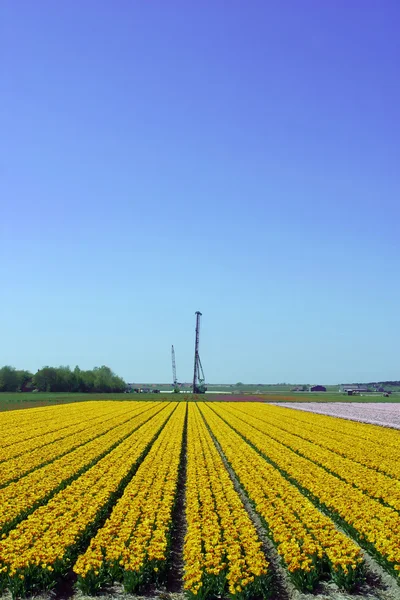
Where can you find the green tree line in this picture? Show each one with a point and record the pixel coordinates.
(61, 379)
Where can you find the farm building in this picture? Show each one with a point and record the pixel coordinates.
(355, 388)
(318, 388)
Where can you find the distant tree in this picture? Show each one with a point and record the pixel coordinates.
(62, 379)
(78, 385)
(88, 381)
(239, 384)
(45, 380)
(8, 379)
(106, 381)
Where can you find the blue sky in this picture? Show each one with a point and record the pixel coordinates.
(238, 158)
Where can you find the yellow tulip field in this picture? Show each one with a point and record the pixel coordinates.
(105, 492)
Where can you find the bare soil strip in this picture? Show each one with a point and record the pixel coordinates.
(175, 575)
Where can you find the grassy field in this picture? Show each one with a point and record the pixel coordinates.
(12, 401)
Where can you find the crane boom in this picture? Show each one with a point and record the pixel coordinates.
(198, 375)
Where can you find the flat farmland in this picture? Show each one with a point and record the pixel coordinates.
(197, 500)
(385, 414)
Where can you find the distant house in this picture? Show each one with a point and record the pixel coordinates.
(27, 386)
(355, 388)
(318, 388)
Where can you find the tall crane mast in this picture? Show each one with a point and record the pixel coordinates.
(176, 386)
(198, 375)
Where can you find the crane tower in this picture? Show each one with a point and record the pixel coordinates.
(176, 385)
(198, 376)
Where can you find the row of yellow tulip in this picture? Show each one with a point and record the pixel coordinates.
(19, 426)
(45, 544)
(19, 498)
(61, 427)
(133, 545)
(369, 445)
(374, 483)
(307, 541)
(11, 417)
(375, 526)
(222, 552)
(15, 418)
(20, 430)
(16, 467)
(384, 439)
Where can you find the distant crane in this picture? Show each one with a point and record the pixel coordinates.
(198, 376)
(176, 384)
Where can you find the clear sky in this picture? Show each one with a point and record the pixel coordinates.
(239, 158)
